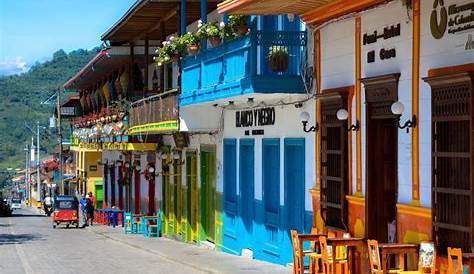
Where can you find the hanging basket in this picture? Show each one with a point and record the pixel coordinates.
(215, 41)
(193, 50)
(241, 30)
(279, 62)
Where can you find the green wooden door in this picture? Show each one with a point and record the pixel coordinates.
(177, 196)
(99, 193)
(208, 158)
(191, 196)
(167, 202)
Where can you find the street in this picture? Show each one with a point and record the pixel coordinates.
(29, 244)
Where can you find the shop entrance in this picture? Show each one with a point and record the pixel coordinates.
(208, 187)
(191, 196)
(177, 185)
(295, 183)
(382, 147)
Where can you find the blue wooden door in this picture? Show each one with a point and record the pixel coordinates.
(271, 191)
(246, 175)
(230, 239)
(294, 182)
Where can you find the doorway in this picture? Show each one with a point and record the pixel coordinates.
(246, 186)
(208, 186)
(177, 196)
(382, 158)
(191, 196)
(294, 164)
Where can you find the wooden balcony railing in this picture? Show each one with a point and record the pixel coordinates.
(155, 113)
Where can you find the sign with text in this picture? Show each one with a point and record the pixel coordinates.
(255, 117)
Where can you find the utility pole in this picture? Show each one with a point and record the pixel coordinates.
(27, 174)
(38, 177)
(60, 137)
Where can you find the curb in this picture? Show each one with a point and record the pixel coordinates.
(163, 256)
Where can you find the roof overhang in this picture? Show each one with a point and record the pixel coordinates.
(154, 19)
(103, 64)
(313, 12)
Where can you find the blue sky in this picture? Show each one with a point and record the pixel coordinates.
(32, 30)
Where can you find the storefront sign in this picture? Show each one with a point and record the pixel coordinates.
(384, 54)
(255, 117)
(457, 18)
(388, 32)
(68, 111)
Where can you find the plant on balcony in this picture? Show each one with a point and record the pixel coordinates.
(212, 32)
(239, 24)
(170, 51)
(278, 58)
(191, 41)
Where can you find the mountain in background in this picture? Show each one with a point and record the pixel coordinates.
(20, 104)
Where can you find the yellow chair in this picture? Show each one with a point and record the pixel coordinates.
(299, 254)
(327, 259)
(374, 258)
(458, 267)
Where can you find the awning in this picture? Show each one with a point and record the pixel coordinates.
(313, 12)
(145, 17)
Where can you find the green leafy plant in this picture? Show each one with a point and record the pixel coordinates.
(239, 24)
(170, 51)
(190, 39)
(210, 30)
(278, 58)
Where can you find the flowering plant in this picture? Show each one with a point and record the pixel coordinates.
(190, 39)
(170, 51)
(210, 30)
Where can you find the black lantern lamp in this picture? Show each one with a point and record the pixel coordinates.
(304, 116)
(397, 109)
(343, 115)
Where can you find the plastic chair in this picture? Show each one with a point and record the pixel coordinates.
(128, 220)
(456, 268)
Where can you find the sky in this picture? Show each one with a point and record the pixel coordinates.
(32, 30)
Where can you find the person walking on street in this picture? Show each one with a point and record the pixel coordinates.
(89, 211)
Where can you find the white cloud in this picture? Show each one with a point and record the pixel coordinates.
(10, 66)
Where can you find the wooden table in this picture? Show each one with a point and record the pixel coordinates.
(351, 244)
(396, 248)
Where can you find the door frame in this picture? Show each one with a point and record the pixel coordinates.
(379, 90)
(192, 195)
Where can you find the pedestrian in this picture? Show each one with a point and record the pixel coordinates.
(83, 202)
(91, 196)
(89, 211)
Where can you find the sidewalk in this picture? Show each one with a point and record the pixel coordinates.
(201, 258)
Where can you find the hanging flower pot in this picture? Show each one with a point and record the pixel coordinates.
(215, 41)
(193, 49)
(278, 59)
(241, 30)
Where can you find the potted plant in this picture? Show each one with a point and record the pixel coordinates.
(212, 32)
(278, 58)
(239, 24)
(191, 41)
(170, 51)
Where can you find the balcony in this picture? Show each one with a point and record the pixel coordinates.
(243, 66)
(154, 114)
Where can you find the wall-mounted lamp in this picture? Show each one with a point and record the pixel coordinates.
(250, 102)
(176, 156)
(151, 169)
(127, 165)
(343, 115)
(397, 109)
(304, 116)
(164, 156)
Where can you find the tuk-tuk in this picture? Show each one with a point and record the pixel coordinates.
(66, 211)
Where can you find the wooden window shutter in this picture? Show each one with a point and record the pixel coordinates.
(334, 186)
(452, 160)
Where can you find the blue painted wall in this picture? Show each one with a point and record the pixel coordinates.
(240, 66)
(263, 225)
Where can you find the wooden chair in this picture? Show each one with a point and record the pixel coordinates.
(426, 259)
(327, 259)
(456, 268)
(299, 254)
(374, 258)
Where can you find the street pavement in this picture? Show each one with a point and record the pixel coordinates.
(29, 244)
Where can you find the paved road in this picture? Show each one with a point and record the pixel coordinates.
(29, 244)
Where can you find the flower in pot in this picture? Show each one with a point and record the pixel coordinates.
(191, 41)
(170, 51)
(278, 58)
(212, 32)
(239, 24)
